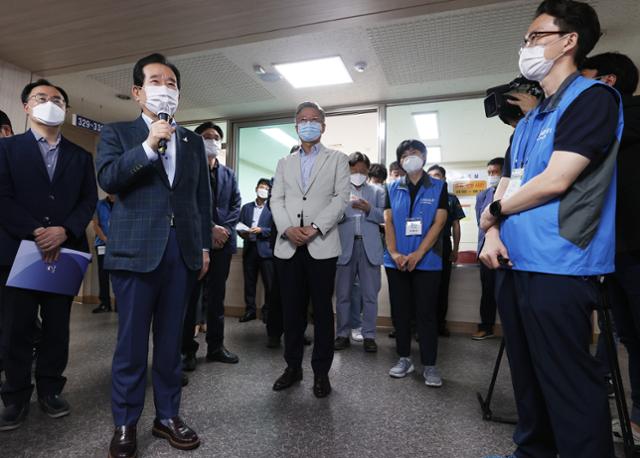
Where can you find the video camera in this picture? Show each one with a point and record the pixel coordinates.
(495, 103)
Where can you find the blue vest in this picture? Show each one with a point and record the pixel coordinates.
(425, 207)
(573, 234)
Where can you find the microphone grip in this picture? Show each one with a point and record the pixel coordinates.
(162, 144)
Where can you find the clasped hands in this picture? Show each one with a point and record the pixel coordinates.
(300, 236)
(49, 240)
(407, 263)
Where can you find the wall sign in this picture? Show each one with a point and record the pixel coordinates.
(86, 123)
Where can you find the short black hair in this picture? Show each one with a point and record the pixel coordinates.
(573, 16)
(410, 144)
(395, 166)
(614, 63)
(209, 125)
(378, 171)
(313, 105)
(439, 168)
(42, 82)
(155, 58)
(356, 157)
(496, 161)
(4, 120)
(266, 181)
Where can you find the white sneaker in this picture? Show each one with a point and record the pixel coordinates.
(403, 367)
(432, 376)
(356, 335)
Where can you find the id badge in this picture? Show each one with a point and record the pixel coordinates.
(413, 227)
(515, 182)
(102, 250)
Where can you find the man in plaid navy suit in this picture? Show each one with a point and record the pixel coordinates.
(159, 241)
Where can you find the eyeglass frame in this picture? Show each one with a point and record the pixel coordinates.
(528, 40)
(56, 100)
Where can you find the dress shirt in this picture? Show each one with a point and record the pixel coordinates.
(169, 157)
(307, 162)
(49, 152)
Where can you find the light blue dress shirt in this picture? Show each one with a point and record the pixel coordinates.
(307, 162)
(49, 152)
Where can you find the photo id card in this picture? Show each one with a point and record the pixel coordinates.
(413, 227)
(515, 182)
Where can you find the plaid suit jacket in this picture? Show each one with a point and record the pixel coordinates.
(140, 221)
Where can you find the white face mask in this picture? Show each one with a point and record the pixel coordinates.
(493, 180)
(161, 99)
(48, 113)
(358, 179)
(412, 164)
(533, 65)
(262, 193)
(212, 147)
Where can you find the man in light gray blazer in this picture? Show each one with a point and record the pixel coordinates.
(361, 256)
(309, 196)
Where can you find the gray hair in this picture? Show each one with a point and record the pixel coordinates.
(313, 105)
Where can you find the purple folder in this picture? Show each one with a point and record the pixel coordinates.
(64, 276)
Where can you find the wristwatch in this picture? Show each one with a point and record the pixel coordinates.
(496, 209)
(315, 226)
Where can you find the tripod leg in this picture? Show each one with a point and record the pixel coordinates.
(614, 366)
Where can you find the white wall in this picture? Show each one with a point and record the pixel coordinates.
(12, 81)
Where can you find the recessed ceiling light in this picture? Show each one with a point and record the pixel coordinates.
(280, 136)
(427, 124)
(316, 72)
(434, 154)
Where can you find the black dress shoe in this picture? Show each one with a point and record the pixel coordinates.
(287, 379)
(321, 386)
(370, 345)
(189, 362)
(341, 343)
(273, 342)
(55, 406)
(307, 340)
(178, 434)
(102, 308)
(222, 355)
(392, 334)
(12, 416)
(248, 316)
(124, 443)
(185, 380)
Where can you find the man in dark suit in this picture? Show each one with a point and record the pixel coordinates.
(159, 240)
(257, 254)
(48, 195)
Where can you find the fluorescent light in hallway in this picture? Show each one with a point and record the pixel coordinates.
(427, 124)
(280, 136)
(316, 72)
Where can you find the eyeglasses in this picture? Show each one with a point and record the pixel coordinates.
(533, 37)
(44, 98)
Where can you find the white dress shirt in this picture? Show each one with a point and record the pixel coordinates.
(168, 158)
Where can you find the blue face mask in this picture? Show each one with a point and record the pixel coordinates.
(309, 131)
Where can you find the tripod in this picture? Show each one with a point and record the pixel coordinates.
(485, 404)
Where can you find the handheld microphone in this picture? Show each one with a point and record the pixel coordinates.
(162, 144)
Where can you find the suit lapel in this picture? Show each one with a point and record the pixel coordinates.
(182, 143)
(297, 172)
(323, 155)
(64, 156)
(140, 134)
(33, 153)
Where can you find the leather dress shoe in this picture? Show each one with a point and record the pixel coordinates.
(222, 355)
(185, 380)
(124, 443)
(54, 406)
(178, 434)
(102, 308)
(341, 343)
(248, 316)
(287, 379)
(321, 386)
(12, 416)
(370, 345)
(189, 362)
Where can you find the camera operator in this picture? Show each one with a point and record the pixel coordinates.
(619, 71)
(551, 225)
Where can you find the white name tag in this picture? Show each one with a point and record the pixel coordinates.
(515, 182)
(413, 227)
(102, 250)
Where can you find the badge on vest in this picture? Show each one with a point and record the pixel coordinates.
(515, 182)
(413, 227)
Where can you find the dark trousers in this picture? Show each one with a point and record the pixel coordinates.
(299, 275)
(4, 274)
(275, 324)
(103, 282)
(20, 310)
(216, 289)
(443, 290)
(189, 344)
(624, 291)
(252, 264)
(488, 306)
(415, 293)
(160, 297)
(559, 389)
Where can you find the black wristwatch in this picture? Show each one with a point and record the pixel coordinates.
(496, 209)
